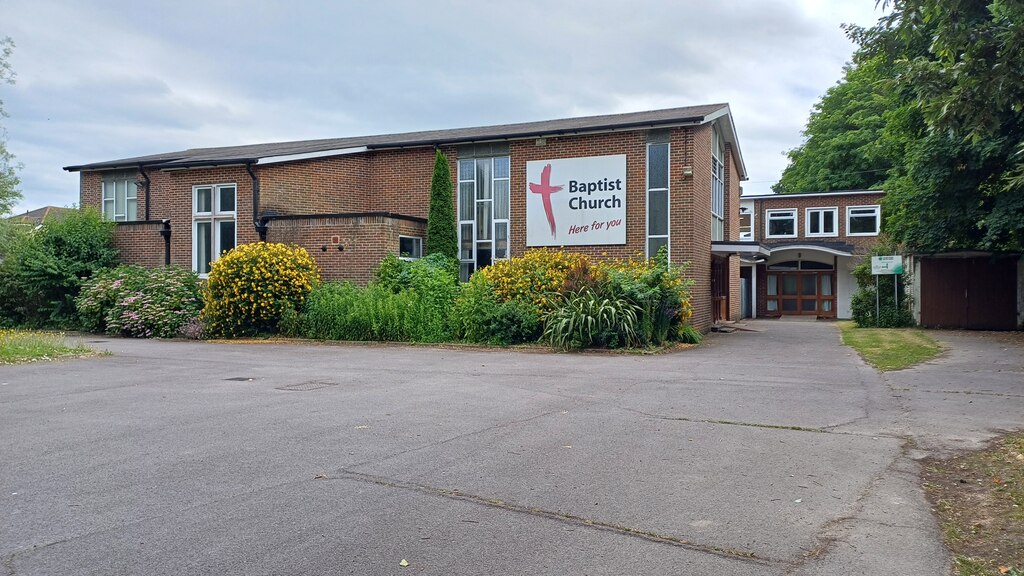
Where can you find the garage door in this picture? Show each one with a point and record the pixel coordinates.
(972, 293)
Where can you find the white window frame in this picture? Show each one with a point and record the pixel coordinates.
(668, 202)
(878, 219)
(472, 260)
(215, 216)
(717, 186)
(418, 253)
(749, 234)
(817, 213)
(130, 196)
(791, 212)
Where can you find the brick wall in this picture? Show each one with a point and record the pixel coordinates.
(691, 210)
(732, 230)
(632, 144)
(801, 203)
(364, 240)
(140, 243)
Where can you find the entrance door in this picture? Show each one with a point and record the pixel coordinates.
(802, 293)
(719, 289)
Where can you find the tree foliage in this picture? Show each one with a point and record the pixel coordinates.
(9, 181)
(42, 273)
(442, 237)
(931, 107)
(843, 148)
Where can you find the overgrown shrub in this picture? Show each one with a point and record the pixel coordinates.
(140, 302)
(341, 311)
(661, 294)
(479, 317)
(250, 287)
(540, 276)
(543, 282)
(586, 318)
(688, 334)
(42, 271)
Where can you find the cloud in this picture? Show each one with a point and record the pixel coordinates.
(102, 79)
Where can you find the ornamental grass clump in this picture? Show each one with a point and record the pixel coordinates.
(251, 287)
(586, 319)
(139, 302)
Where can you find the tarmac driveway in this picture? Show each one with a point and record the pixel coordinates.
(768, 452)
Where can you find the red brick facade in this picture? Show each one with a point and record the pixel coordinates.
(397, 182)
(801, 202)
(842, 241)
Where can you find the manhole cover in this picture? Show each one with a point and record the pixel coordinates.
(95, 341)
(307, 386)
(240, 379)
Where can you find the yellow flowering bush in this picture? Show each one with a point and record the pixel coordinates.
(252, 286)
(539, 276)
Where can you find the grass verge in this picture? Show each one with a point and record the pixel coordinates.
(890, 348)
(979, 500)
(18, 346)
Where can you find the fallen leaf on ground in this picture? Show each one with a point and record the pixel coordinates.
(403, 563)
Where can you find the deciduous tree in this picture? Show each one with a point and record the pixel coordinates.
(9, 181)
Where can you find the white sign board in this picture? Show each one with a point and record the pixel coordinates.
(576, 201)
(887, 264)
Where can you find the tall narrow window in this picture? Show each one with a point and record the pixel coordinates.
(717, 186)
(213, 224)
(657, 195)
(120, 196)
(483, 208)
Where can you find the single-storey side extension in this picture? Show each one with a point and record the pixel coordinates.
(609, 186)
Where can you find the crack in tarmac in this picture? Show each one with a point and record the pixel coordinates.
(973, 393)
(564, 517)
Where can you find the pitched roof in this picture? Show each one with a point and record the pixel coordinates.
(325, 147)
(39, 214)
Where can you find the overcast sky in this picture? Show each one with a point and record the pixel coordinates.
(106, 79)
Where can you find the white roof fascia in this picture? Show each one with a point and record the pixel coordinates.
(310, 155)
(788, 247)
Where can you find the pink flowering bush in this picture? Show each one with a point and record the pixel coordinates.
(140, 302)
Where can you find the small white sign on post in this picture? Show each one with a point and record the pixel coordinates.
(886, 265)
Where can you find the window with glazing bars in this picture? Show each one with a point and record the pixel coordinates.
(483, 212)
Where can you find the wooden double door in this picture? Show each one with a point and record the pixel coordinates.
(803, 293)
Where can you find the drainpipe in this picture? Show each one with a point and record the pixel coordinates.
(259, 223)
(146, 176)
(166, 233)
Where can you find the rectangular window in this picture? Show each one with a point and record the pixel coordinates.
(483, 207)
(410, 247)
(657, 197)
(746, 224)
(120, 196)
(717, 186)
(214, 229)
(863, 220)
(822, 222)
(780, 223)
